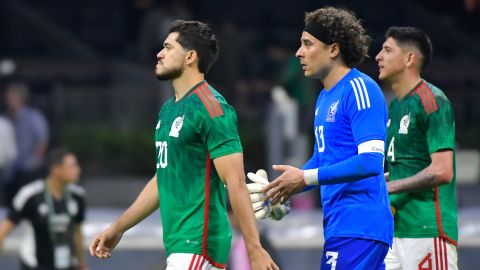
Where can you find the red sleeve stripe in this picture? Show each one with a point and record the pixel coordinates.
(430, 94)
(211, 99)
(215, 99)
(428, 100)
(423, 100)
(207, 105)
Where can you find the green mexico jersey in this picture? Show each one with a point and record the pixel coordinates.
(190, 133)
(420, 124)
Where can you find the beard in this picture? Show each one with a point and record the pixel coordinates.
(170, 74)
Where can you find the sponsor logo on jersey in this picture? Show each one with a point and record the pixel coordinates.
(176, 126)
(404, 122)
(332, 110)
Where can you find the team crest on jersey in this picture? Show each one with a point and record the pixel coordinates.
(176, 126)
(332, 110)
(404, 122)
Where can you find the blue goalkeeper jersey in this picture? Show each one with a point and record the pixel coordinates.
(348, 118)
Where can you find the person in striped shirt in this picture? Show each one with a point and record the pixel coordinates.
(420, 156)
(199, 159)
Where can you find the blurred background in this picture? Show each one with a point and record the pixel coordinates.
(85, 70)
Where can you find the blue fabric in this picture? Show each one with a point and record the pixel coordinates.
(353, 254)
(352, 186)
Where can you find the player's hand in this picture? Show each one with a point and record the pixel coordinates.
(103, 244)
(263, 209)
(289, 182)
(261, 260)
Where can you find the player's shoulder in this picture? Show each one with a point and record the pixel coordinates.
(430, 97)
(26, 193)
(362, 90)
(76, 190)
(209, 101)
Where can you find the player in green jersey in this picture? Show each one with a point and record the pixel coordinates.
(420, 156)
(199, 159)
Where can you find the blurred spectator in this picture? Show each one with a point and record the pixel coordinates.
(31, 134)
(8, 148)
(54, 210)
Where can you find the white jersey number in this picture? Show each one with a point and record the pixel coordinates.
(332, 259)
(391, 149)
(320, 139)
(162, 154)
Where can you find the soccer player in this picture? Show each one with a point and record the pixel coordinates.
(420, 156)
(350, 130)
(199, 158)
(54, 210)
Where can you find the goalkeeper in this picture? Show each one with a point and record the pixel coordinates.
(350, 130)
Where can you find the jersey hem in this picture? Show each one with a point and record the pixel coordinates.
(199, 252)
(432, 235)
(361, 236)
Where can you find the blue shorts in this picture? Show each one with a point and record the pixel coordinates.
(342, 253)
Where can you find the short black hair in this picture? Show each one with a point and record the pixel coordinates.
(343, 27)
(197, 36)
(57, 156)
(412, 36)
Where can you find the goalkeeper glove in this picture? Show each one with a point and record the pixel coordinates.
(264, 209)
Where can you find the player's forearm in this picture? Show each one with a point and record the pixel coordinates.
(353, 169)
(144, 205)
(242, 209)
(5, 229)
(78, 238)
(422, 180)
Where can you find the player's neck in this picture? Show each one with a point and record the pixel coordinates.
(184, 83)
(402, 86)
(334, 76)
(55, 187)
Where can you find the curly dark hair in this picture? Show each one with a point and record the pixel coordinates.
(197, 36)
(342, 27)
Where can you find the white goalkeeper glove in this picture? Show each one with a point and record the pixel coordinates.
(264, 209)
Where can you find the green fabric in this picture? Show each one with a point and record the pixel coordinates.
(190, 133)
(419, 126)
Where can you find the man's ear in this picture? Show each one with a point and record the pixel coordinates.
(191, 57)
(334, 50)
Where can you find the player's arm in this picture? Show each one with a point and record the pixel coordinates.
(439, 172)
(144, 205)
(440, 134)
(6, 227)
(368, 129)
(78, 242)
(230, 169)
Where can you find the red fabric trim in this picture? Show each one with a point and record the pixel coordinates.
(441, 253)
(428, 99)
(192, 261)
(197, 264)
(206, 206)
(216, 101)
(193, 92)
(436, 252)
(201, 263)
(439, 219)
(210, 99)
(205, 103)
(430, 93)
(425, 106)
(214, 263)
(445, 254)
